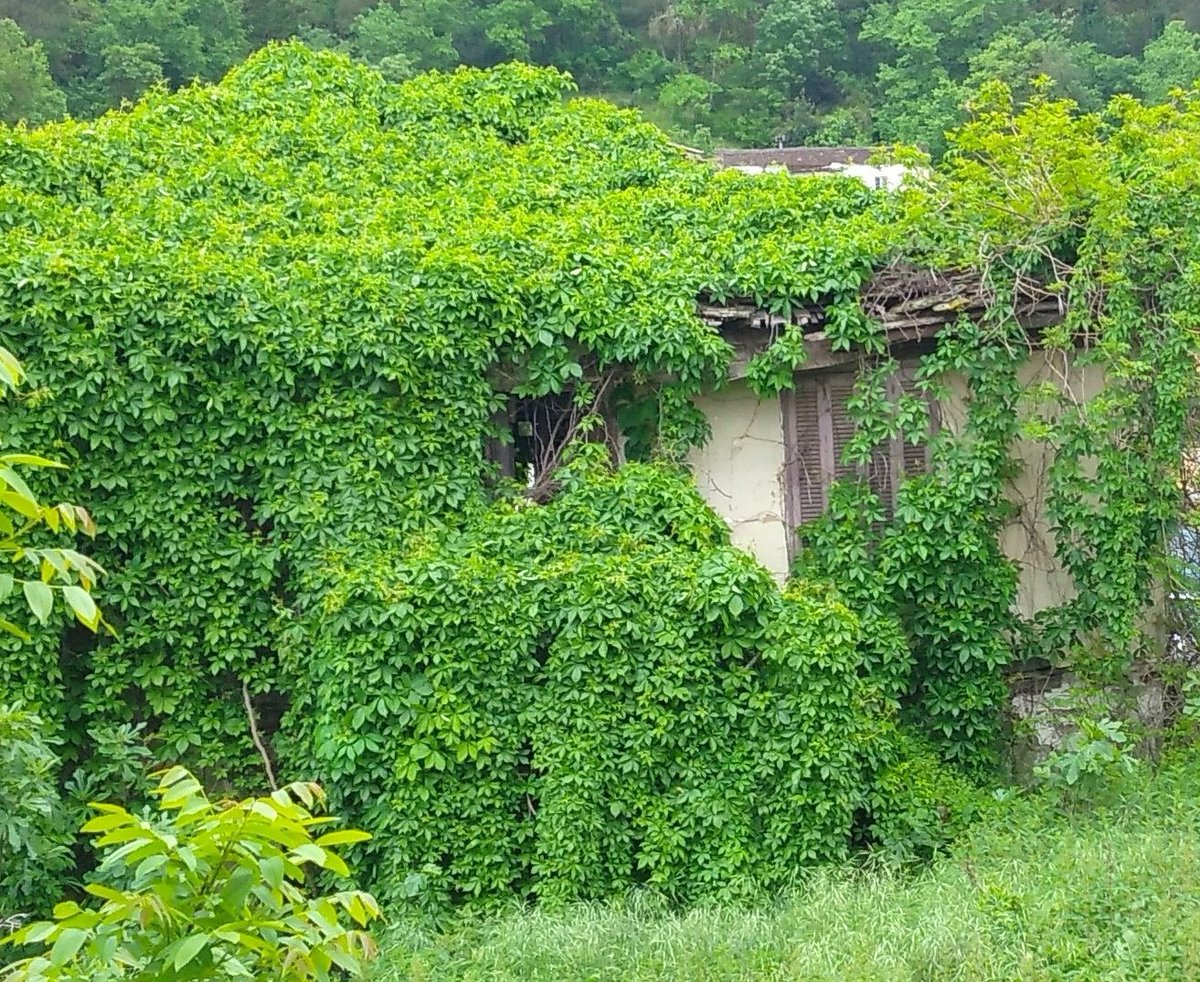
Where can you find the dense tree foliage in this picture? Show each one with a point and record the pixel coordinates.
(744, 73)
(26, 89)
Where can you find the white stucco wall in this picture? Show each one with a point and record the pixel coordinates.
(883, 176)
(1028, 538)
(740, 472)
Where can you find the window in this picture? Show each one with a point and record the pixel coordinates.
(530, 434)
(880, 182)
(818, 427)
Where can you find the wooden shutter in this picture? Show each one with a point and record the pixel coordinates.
(819, 427)
(909, 458)
(805, 471)
(839, 388)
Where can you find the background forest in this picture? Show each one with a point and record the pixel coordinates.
(711, 72)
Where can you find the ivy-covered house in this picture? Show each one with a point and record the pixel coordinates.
(289, 333)
(773, 459)
(857, 162)
(769, 465)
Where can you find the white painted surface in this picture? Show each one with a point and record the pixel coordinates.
(884, 177)
(740, 472)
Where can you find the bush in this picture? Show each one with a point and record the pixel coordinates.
(918, 806)
(207, 891)
(1090, 764)
(568, 700)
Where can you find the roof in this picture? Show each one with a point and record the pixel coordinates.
(797, 160)
(912, 304)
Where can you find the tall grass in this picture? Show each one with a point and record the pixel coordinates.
(1032, 894)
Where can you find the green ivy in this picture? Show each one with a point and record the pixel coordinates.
(270, 323)
(566, 699)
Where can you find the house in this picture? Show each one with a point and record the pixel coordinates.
(769, 463)
(819, 161)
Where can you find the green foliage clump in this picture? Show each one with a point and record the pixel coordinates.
(567, 699)
(207, 891)
(1090, 762)
(27, 92)
(918, 807)
(35, 838)
(281, 317)
(277, 317)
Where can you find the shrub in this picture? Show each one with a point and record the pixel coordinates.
(917, 805)
(568, 700)
(1092, 760)
(207, 891)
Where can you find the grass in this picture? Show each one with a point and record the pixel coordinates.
(1032, 894)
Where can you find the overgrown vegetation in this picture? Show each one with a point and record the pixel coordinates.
(284, 412)
(593, 693)
(209, 890)
(283, 319)
(746, 73)
(1030, 894)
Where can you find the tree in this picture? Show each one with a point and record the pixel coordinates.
(27, 92)
(1020, 54)
(1172, 60)
(689, 97)
(400, 44)
(798, 40)
(193, 38)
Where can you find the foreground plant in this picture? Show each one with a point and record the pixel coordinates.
(34, 836)
(207, 891)
(63, 570)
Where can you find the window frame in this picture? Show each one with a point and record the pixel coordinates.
(898, 383)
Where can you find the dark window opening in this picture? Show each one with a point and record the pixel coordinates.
(535, 432)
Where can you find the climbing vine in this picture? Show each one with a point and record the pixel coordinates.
(1100, 211)
(288, 320)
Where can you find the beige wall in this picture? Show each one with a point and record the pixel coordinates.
(740, 471)
(1028, 538)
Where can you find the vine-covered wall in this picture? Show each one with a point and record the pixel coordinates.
(271, 325)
